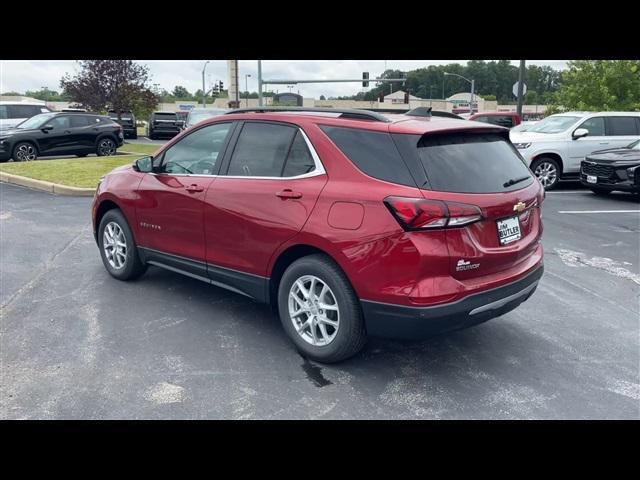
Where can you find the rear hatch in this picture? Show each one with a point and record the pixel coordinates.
(484, 171)
(126, 119)
(165, 121)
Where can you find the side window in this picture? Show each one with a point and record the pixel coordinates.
(622, 126)
(198, 152)
(374, 153)
(481, 119)
(261, 150)
(59, 122)
(595, 126)
(79, 121)
(3, 112)
(299, 160)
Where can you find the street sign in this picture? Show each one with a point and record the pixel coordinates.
(515, 89)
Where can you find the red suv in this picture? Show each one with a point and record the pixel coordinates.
(348, 222)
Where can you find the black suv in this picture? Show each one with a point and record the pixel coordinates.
(163, 124)
(128, 122)
(61, 133)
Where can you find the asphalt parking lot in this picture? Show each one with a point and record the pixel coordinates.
(77, 344)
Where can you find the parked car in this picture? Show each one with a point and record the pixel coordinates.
(163, 124)
(504, 119)
(196, 115)
(182, 118)
(59, 133)
(555, 146)
(612, 169)
(13, 113)
(128, 122)
(524, 126)
(350, 224)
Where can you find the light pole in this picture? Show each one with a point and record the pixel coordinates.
(472, 82)
(430, 95)
(204, 88)
(246, 88)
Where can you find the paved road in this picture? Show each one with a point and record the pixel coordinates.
(76, 343)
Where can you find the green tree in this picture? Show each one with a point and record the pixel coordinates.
(600, 85)
(181, 93)
(103, 85)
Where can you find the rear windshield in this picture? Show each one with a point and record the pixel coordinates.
(165, 116)
(472, 163)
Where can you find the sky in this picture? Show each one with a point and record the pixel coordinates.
(23, 75)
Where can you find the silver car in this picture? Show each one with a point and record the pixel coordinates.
(198, 114)
(554, 147)
(13, 113)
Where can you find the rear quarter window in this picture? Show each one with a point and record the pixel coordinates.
(374, 153)
(472, 163)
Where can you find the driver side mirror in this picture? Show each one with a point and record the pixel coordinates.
(580, 132)
(47, 128)
(144, 165)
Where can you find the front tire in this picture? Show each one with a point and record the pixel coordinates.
(25, 152)
(117, 248)
(106, 147)
(320, 311)
(548, 171)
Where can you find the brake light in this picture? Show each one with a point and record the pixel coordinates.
(419, 213)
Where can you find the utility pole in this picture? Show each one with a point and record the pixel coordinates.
(260, 83)
(204, 88)
(520, 87)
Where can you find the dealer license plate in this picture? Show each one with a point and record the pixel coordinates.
(508, 230)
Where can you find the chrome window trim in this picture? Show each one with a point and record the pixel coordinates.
(319, 168)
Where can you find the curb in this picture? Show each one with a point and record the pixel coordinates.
(46, 186)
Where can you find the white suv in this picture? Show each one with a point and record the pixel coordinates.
(554, 147)
(13, 113)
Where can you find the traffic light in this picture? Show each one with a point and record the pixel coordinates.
(365, 76)
(221, 87)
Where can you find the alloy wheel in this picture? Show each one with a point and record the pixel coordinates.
(25, 152)
(313, 310)
(114, 244)
(546, 173)
(107, 147)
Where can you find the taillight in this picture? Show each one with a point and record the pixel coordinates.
(419, 213)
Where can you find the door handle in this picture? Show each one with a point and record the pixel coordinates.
(288, 193)
(67, 131)
(193, 188)
(604, 143)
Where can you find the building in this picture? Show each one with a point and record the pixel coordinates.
(398, 97)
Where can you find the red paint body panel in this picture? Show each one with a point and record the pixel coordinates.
(246, 222)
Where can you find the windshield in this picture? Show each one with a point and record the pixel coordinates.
(36, 122)
(553, 124)
(635, 145)
(195, 117)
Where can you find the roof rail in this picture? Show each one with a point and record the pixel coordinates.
(428, 112)
(344, 112)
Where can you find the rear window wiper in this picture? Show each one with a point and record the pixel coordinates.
(513, 181)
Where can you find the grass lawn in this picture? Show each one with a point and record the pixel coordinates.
(141, 148)
(76, 172)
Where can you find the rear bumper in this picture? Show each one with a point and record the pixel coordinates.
(403, 322)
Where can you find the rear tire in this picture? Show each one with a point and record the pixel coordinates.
(24, 152)
(335, 326)
(121, 261)
(106, 147)
(548, 171)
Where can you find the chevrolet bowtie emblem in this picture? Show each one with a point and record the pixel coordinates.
(519, 207)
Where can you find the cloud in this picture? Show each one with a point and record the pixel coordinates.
(23, 75)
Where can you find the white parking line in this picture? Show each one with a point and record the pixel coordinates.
(599, 211)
